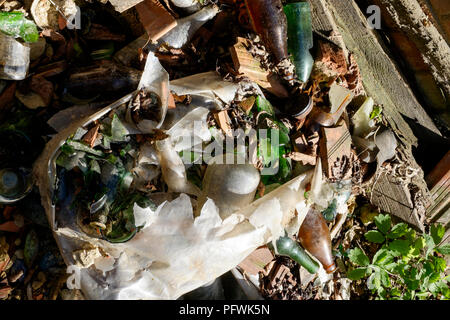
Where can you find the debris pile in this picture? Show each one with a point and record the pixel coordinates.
(166, 143)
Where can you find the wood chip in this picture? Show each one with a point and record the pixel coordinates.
(256, 261)
(43, 88)
(251, 67)
(335, 146)
(390, 195)
(51, 69)
(224, 121)
(122, 5)
(157, 21)
(91, 135)
(171, 103)
(9, 226)
(278, 273)
(98, 32)
(439, 182)
(303, 158)
(247, 104)
(6, 99)
(332, 57)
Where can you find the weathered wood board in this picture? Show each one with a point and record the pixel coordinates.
(394, 198)
(381, 77)
(439, 182)
(343, 22)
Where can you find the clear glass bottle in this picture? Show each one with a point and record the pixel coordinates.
(231, 186)
(15, 184)
(14, 58)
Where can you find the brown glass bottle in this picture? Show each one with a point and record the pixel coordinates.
(269, 22)
(314, 236)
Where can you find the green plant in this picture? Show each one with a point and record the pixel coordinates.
(405, 266)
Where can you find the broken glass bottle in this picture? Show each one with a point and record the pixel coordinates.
(14, 58)
(14, 185)
(231, 186)
(330, 213)
(269, 23)
(15, 24)
(300, 40)
(290, 248)
(314, 236)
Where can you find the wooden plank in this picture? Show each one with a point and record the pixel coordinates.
(251, 67)
(410, 18)
(256, 261)
(381, 77)
(383, 82)
(390, 195)
(439, 182)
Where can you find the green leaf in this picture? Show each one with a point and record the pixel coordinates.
(358, 257)
(375, 236)
(376, 111)
(395, 292)
(444, 249)
(357, 273)
(398, 231)
(412, 284)
(400, 247)
(419, 244)
(437, 232)
(438, 287)
(14, 24)
(384, 277)
(439, 264)
(410, 235)
(95, 167)
(382, 293)
(430, 243)
(382, 257)
(374, 281)
(423, 295)
(383, 222)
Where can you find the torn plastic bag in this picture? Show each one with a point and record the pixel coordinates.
(208, 85)
(176, 38)
(188, 5)
(161, 262)
(187, 26)
(154, 78)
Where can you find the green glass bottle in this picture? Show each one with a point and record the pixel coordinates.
(15, 184)
(16, 25)
(290, 248)
(300, 39)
